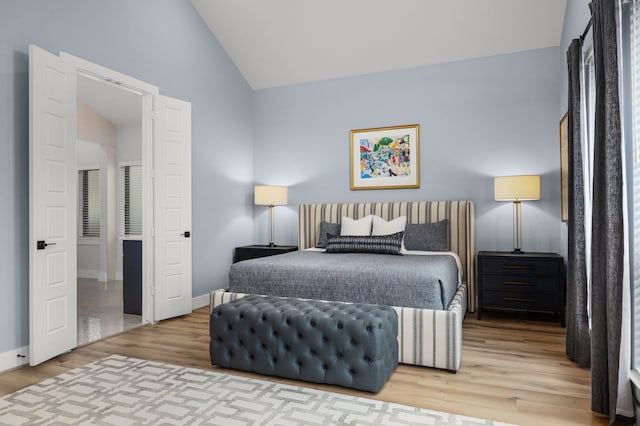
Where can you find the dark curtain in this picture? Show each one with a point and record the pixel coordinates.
(607, 254)
(578, 344)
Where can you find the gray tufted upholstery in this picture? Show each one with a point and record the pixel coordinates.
(351, 345)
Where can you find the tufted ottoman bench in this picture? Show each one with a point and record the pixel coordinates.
(351, 345)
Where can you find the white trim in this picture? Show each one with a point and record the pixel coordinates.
(14, 358)
(122, 238)
(91, 274)
(129, 163)
(148, 243)
(102, 277)
(119, 276)
(94, 70)
(82, 167)
(200, 301)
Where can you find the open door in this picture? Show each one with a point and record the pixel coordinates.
(172, 206)
(52, 199)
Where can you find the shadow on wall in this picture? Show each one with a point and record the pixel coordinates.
(19, 243)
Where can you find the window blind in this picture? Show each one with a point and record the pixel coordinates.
(131, 200)
(89, 202)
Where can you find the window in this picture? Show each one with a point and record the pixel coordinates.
(634, 61)
(130, 200)
(89, 203)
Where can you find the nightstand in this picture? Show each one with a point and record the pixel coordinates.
(253, 252)
(529, 282)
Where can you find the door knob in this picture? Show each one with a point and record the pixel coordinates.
(186, 234)
(41, 244)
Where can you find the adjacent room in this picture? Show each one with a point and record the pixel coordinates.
(363, 212)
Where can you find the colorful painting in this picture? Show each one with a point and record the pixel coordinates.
(385, 157)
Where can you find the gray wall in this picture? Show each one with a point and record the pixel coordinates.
(478, 119)
(165, 43)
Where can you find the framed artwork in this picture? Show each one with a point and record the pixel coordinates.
(564, 166)
(385, 157)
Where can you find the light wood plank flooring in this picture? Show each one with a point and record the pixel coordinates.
(512, 370)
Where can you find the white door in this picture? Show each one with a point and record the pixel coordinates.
(172, 216)
(52, 200)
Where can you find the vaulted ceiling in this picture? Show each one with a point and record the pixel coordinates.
(282, 42)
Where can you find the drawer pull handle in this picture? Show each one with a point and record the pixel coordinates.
(518, 299)
(522, 283)
(516, 267)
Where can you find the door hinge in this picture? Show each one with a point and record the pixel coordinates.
(153, 114)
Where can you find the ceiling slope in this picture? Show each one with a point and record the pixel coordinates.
(283, 42)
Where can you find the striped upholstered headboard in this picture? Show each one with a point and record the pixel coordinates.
(461, 215)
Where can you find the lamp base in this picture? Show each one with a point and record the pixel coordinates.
(517, 251)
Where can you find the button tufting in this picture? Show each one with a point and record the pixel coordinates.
(342, 328)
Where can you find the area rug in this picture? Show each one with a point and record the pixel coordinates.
(126, 391)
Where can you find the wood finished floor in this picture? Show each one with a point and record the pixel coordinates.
(512, 370)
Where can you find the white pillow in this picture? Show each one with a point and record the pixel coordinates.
(354, 227)
(383, 227)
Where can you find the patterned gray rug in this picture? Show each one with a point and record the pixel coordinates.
(128, 391)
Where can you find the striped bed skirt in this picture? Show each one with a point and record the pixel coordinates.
(426, 337)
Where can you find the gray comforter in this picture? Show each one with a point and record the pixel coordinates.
(409, 280)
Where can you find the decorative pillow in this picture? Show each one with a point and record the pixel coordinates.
(327, 228)
(380, 244)
(383, 227)
(356, 227)
(427, 236)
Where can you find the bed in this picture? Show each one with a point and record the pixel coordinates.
(429, 333)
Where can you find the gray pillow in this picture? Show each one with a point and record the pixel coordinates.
(427, 236)
(327, 228)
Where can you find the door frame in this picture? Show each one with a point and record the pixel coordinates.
(147, 91)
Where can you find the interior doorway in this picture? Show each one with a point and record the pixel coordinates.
(53, 201)
(109, 161)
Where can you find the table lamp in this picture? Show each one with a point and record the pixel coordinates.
(517, 189)
(269, 195)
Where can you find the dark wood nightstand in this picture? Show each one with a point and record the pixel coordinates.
(529, 282)
(253, 252)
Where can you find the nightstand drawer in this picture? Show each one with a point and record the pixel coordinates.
(521, 283)
(529, 282)
(518, 267)
(520, 302)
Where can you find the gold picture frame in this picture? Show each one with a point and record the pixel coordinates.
(564, 166)
(385, 157)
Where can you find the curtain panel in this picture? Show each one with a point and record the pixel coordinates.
(578, 346)
(608, 236)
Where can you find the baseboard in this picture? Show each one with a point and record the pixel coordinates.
(88, 273)
(200, 301)
(102, 277)
(10, 359)
(119, 276)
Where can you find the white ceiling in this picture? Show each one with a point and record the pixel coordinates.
(283, 42)
(118, 105)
